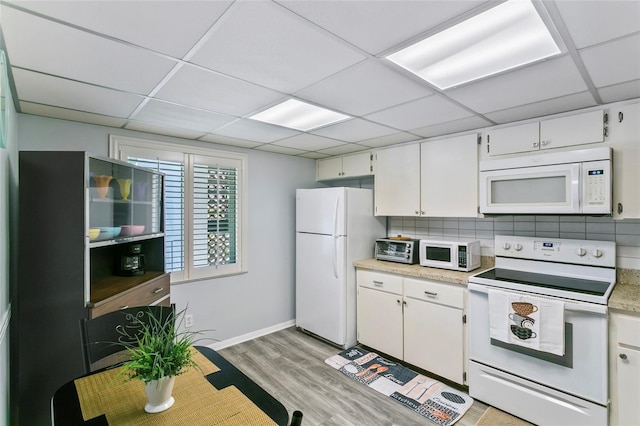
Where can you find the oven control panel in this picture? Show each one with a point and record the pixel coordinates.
(581, 252)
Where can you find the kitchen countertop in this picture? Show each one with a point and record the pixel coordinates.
(625, 295)
(417, 271)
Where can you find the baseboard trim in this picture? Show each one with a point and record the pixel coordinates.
(250, 336)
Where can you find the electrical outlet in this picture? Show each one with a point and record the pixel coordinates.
(188, 320)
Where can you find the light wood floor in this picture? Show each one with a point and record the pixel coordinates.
(290, 365)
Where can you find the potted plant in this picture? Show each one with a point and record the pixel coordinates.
(158, 353)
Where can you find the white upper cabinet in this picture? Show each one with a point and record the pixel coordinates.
(624, 138)
(578, 129)
(397, 181)
(514, 139)
(449, 177)
(348, 166)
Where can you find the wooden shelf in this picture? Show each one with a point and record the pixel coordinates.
(108, 287)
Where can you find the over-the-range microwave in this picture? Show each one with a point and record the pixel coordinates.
(568, 182)
(458, 255)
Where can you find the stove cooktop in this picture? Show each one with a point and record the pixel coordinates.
(577, 285)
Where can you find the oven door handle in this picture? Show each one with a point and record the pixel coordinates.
(569, 305)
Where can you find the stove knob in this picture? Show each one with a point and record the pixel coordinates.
(518, 247)
(506, 246)
(596, 253)
(580, 251)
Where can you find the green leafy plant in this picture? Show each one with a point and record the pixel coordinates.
(159, 349)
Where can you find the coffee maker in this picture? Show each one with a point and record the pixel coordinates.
(131, 261)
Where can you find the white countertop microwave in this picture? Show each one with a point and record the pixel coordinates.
(568, 182)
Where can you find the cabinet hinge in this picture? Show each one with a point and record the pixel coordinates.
(620, 117)
(464, 377)
(464, 319)
(479, 139)
(488, 142)
(371, 157)
(371, 168)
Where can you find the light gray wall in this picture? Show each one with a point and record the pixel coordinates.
(8, 248)
(231, 306)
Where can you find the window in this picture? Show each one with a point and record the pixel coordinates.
(205, 208)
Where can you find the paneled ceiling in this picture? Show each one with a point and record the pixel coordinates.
(198, 69)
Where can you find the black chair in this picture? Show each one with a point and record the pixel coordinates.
(296, 419)
(104, 338)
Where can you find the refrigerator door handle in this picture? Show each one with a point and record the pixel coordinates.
(335, 239)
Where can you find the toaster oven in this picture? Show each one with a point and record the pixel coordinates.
(402, 251)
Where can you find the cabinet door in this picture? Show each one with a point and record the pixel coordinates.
(380, 321)
(357, 165)
(572, 130)
(433, 338)
(456, 161)
(628, 387)
(330, 168)
(624, 131)
(397, 181)
(510, 140)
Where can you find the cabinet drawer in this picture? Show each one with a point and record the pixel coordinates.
(141, 295)
(628, 329)
(380, 281)
(442, 293)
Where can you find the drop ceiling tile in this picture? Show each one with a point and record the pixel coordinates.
(162, 130)
(71, 115)
(49, 90)
(620, 92)
(540, 109)
(354, 130)
(215, 92)
(255, 131)
(225, 140)
(266, 44)
(456, 126)
(307, 142)
(593, 22)
(39, 44)
(182, 117)
(358, 90)
(376, 26)
(420, 113)
(344, 149)
(613, 62)
(314, 155)
(169, 27)
(396, 138)
(279, 149)
(545, 80)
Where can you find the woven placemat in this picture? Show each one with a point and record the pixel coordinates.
(197, 402)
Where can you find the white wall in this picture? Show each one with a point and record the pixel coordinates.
(232, 306)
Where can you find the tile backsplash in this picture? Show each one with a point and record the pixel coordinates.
(625, 233)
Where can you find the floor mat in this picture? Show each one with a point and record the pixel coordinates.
(430, 398)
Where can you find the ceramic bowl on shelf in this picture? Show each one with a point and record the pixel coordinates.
(107, 232)
(93, 233)
(132, 229)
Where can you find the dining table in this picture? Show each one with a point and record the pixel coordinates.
(213, 393)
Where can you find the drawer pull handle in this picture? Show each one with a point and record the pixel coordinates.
(431, 294)
(158, 290)
(124, 307)
(378, 283)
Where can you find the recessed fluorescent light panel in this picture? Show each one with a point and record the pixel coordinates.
(504, 37)
(299, 115)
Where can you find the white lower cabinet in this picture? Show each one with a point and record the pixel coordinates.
(624, 366)
(415, 320)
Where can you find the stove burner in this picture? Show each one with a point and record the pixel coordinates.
(577, 285)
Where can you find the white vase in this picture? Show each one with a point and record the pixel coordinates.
(159, 394)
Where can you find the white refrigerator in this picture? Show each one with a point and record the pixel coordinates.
(334, 228)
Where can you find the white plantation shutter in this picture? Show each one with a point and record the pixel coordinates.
(174, 208)
(204, 211)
